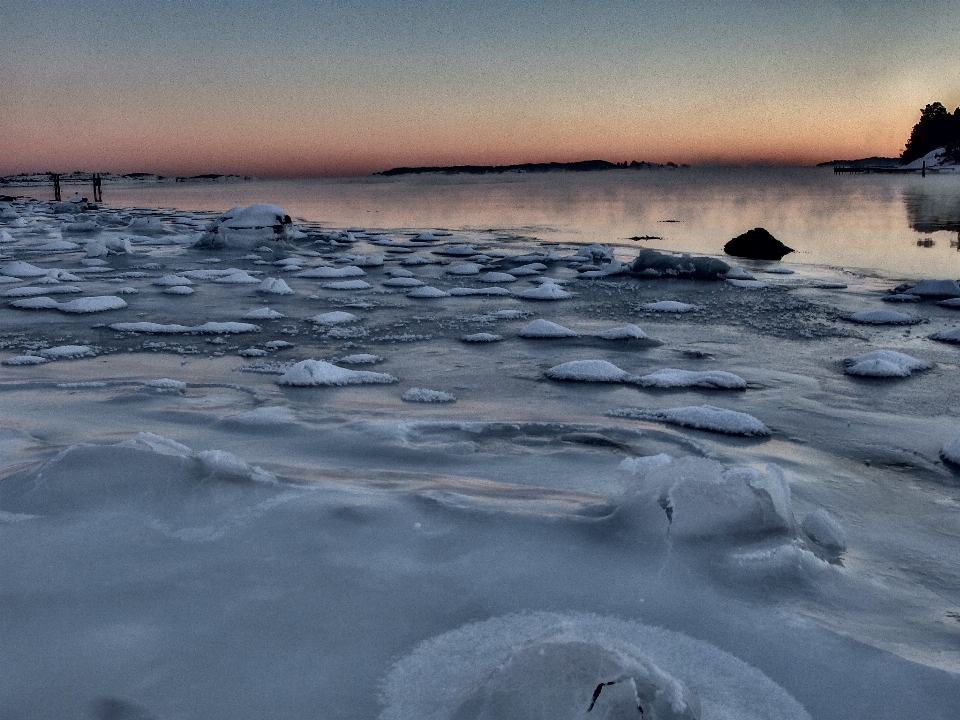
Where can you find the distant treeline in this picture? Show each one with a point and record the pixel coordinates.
(581, 166)
(937, 128)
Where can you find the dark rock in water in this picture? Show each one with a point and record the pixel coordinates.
(756, 244)
(650, 263)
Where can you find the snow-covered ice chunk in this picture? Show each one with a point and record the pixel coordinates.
(179, 290)
(263, 313)
(821, 527)
(417, 260)
(528, 269)
(363, 261)
(403, 282)
(951, 336)
(883, 317)
(951, 450)
(738, 273)
(701, 417)
(748, 284)
(626, 332)
(464, 269)
(950, 303)
(481, 337)
(56, 246)
(670, 306)
(423, 395)
(427, 292)
(457, 251)
(323, 272)
(337, 317)
(209, 328)
(588, 371)
(315, 373)
(552, 666)
(21, 269)
(360, 359)
(249, 227)
(346, 285)
(147, 226)
(172, 281)
(100, 303)
(704, 498)
(167, 385)
(25, 360)
(497, 277)
(901, 298)
(466, 292)
(223, 465)
(253, 352)
(936, 289)
(62, 352)
(545, 291)
(672, 378)
(238, 277)
(34, 291)
(274, 286)
(546, 329)
(884, 363)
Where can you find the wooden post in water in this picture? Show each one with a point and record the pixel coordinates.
(97, 188)
(56, 186)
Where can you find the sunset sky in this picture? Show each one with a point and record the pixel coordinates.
(348, 87)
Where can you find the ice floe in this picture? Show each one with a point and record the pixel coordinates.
(423, 395)
(99, 303)
(883, 317)
(701, 417)
(545, 329)
(884, 363)
(668, 306)
(319, 373)
(951, 450)
(588, 371)
(626, 332)
(672, 378)
(427, 292)
(545, 291)
(337, 317)
(559, 666)
(208, 328)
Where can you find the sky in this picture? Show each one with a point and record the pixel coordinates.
(298, 88)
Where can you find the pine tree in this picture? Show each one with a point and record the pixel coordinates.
(936, 128)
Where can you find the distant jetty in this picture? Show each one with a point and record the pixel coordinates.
(83, 177)
(580, 166)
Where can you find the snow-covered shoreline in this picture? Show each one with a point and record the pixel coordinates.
(255, 494)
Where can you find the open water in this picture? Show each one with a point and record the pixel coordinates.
(898, 226)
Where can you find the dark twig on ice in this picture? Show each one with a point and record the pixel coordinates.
(596, 694)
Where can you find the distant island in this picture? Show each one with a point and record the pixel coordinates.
(580, 166)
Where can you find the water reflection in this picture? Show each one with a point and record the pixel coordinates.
(934, 207)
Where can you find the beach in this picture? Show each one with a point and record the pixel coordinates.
(306, 470)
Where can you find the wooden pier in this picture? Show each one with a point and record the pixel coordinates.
(867, 169)
(94, 180)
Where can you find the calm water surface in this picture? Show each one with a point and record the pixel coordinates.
(871, 222)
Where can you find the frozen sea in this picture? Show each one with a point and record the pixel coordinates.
(431, 454)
